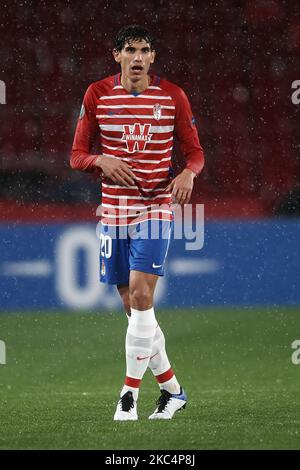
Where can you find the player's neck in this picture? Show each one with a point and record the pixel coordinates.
(135, 87)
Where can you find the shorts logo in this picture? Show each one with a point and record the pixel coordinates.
(157, 111)
(136, 136)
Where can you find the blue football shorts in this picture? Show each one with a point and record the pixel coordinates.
(141, 247)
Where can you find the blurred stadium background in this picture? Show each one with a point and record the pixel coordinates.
(237, 61)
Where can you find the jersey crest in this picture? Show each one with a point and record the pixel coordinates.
(157, 111)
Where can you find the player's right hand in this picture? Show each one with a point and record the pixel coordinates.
(116, 170)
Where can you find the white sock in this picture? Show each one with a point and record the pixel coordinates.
(159, 361)
(160, 364)
(172, 386)
(139, 341)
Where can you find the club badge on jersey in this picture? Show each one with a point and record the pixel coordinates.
(157, 111)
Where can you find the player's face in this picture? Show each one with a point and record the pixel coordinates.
(135, 59)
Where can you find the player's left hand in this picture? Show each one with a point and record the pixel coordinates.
(182, 186)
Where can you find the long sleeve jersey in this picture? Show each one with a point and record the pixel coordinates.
(139, 129)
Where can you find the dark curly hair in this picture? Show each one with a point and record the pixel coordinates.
(133, 32)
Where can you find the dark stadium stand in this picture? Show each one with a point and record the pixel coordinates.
(236, 61)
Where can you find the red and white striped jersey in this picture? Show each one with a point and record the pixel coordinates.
(139, 129)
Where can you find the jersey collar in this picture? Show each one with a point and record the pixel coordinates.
(153, 79)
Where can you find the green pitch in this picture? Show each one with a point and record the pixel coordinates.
(64, 371)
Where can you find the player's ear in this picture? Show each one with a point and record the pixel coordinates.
(153, 54)
(116, 55)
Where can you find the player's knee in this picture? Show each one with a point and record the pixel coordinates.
(141, 297)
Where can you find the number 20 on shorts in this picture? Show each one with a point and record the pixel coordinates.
(106, 246)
